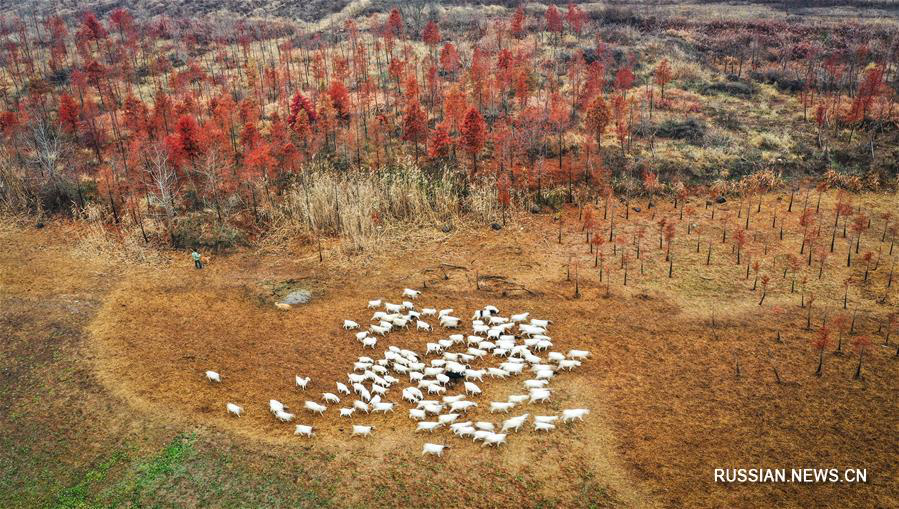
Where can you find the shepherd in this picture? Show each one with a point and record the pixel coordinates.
(198, 262)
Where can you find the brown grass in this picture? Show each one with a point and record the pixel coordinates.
(666, 405)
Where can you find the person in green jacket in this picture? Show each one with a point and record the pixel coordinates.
(198, 263)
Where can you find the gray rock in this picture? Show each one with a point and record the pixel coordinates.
(297, 297)
(496, 226)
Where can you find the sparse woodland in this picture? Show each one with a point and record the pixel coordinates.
(214, 132)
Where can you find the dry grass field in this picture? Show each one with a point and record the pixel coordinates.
(104, 401)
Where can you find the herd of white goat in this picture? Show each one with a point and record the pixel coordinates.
(516, 352)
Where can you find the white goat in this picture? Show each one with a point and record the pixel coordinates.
(374, 304)
(434, 449)
(574, 413)
(276, 406)
(234, 409)
(428, 312)
(544, 426)
(484, 425)
(369, 342)
(425, 326)
(284, 416)
(349, 324)
(347, 412)
(497, 373)
(304, 430)
(312, 406)
(361, 406)
(514, 423)
(471, 388)
(428, 426)
(212, 376)
(302, 382)
(447, 418)
(494, 439)
(417, 414)
(520, 317)
(408, 292)
(578, 354)
(500, 406)
(539, 395)
(382, 407)
(462, 406)
(568, 364)
(364, 431)
(330, 397)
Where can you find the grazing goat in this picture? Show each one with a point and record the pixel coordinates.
(497, 373)
(518, 398)
(330, 397)
(494, 439)
(500, 406)
(425, 326)
(514, 423)
(377, 329)
(447, 418)
(534, 384)
(369, 342)
(312, 406)
(284, 416)
(578, 354)
(393, 308)
(303, 430)
(343, 389)
(428, 312)
(471, 388)
(362, 430)
(574, 413)
(540, 323)
(462, 405)
(302, 382)
(486, 426)
(234, 409)
(417, 414)
(347, 412)
(520, 317)
(544, 426)
(428, 426)
(212, 376)
(374, 304)
(408, 292)
(361, 406)
(276, 406)
(349, 324)
(568, 364)
(539, 395)
(382, 407)
(449, 322)
(434, 449)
